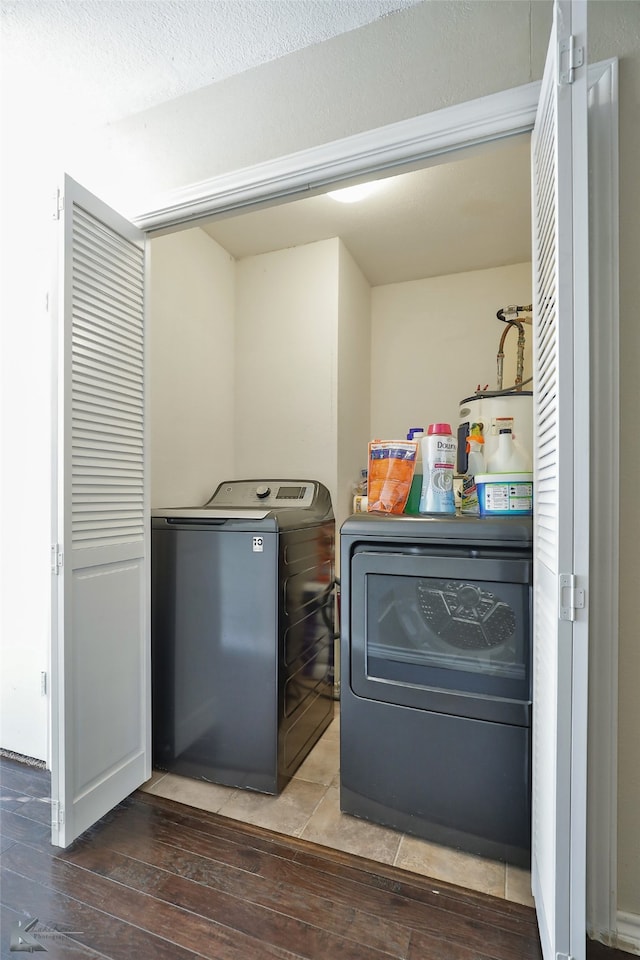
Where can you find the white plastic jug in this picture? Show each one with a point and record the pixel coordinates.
(510, 457)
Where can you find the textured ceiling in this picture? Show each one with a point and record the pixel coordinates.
(106, 59)
(91, 62)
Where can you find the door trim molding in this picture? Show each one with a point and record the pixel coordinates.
(412, 143)
(395, 148)
(628, 936)
(602, 751)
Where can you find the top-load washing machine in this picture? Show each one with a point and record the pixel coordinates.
(435, 711)
(242, 632)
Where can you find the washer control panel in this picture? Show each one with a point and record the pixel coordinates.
(268, 494)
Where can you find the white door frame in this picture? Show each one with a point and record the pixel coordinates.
(417, 142)
(604, 520)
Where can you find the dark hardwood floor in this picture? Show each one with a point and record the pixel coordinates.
(156, 879)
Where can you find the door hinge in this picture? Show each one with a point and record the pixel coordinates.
(58, 204)
(57, 813)
(570, 57)
(56, 558)
(43, 683)
(571, 596)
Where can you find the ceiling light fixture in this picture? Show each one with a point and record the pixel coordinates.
(358, 192)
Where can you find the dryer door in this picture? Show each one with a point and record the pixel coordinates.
(445, 633)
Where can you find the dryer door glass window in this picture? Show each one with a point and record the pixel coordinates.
(442, 623)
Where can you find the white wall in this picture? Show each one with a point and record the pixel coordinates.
(191, 328)
(354, 380)
(286, 364)
(614, 29)
(26, 238)
(433, 341)
(420, 59)
(258, 369)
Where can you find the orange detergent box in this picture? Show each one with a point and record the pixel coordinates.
(392, 464)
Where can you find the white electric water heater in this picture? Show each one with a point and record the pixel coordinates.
(513, 409)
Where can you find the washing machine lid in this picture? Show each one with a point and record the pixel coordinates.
(211, 514)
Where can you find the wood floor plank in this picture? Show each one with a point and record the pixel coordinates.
(33, 781)
(470, 943)
(183, 853)
(508, 944)
(15, 827)
(158, 879)
(336, 863)
(152, 824)
(426, 947)
(401, 902)
(5, 843)
(387, 877)
(232, 912)
(395, 907)
(447, 923)
(33, 808)
(178, 925)
(340, 867)
(96, 933)
(223, 827)
(424, 891)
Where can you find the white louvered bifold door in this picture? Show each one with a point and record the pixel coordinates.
(100, 643)
(561, 504)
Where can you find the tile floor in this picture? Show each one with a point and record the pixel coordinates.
(309, 807)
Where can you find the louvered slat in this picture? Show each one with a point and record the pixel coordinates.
(107, 437)
(545, 296)
(545, 488)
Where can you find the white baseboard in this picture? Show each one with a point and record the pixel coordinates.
(628, 935)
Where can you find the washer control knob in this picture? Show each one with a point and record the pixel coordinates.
(263, 491)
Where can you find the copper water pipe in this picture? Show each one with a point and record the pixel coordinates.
(520, 354)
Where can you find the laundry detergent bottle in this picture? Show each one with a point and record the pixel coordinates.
(413, 500)
(475, 467)
(438, 461)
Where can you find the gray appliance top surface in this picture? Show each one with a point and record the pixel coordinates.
(442, 528)
(281, 503)
(209, 513)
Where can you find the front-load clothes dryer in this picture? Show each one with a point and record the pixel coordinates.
(435, 710)
(242, 632)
